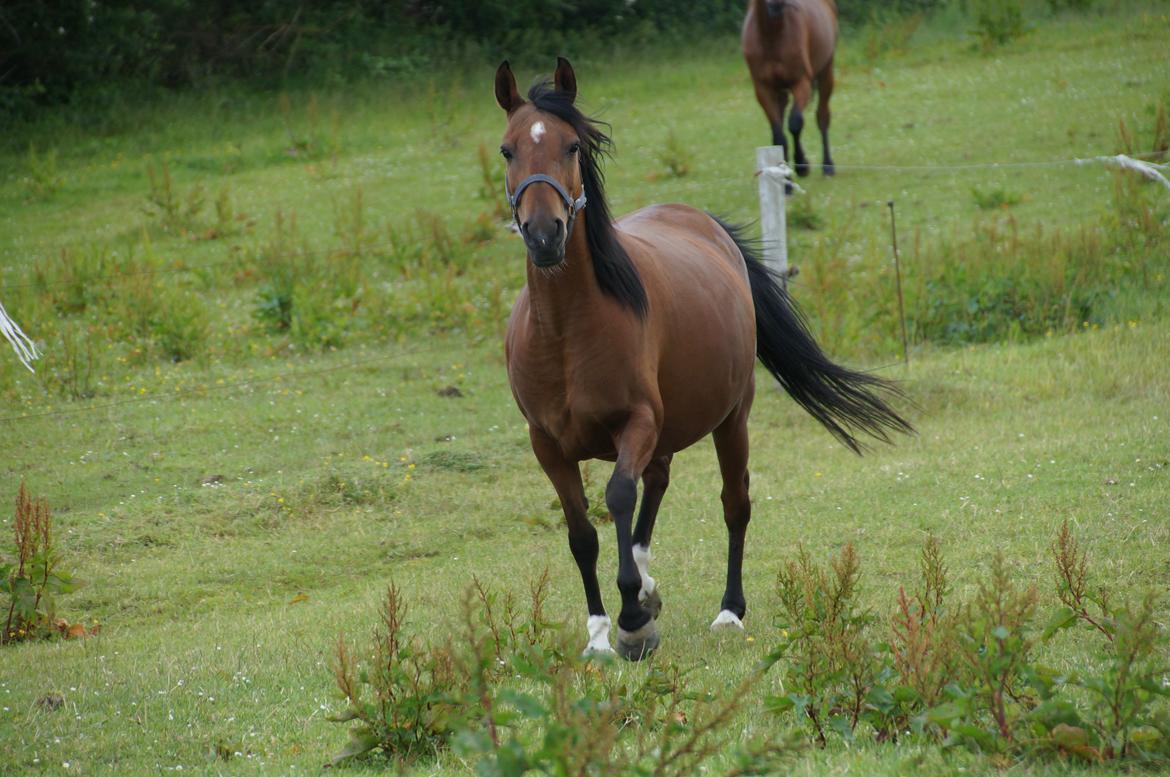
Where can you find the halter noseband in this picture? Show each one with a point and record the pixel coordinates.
(574, 206)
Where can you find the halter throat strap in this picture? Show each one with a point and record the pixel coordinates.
(574, 205)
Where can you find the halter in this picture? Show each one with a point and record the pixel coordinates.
(574, 206)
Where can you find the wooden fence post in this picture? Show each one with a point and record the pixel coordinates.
(772, 173)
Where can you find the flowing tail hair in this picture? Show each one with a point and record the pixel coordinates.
(844, 401)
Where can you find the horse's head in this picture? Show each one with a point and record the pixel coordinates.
(544, 179)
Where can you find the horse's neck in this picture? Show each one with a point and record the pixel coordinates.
(764, 24)
(560, 298)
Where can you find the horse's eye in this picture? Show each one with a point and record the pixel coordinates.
(506, 153)
(573, 149)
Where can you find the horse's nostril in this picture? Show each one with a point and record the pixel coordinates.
(560, 228)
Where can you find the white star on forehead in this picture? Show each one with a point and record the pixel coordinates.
(537, 131)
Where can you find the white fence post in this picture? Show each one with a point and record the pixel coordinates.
(772, 173)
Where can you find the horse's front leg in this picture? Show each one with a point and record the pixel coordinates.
(637, 633)
(566, 479)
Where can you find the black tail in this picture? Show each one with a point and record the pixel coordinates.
(843, 400)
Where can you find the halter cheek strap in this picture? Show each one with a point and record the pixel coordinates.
(574, 205)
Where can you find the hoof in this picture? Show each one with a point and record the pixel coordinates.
(597, 651)
(789, 188)
(802, 169)
(830, 170)
(726, 620)
(638, 644)
(652, 602)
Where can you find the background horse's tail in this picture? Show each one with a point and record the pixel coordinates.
(844, 401)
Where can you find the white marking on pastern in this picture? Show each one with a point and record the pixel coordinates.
(642, 560)
(598, 627)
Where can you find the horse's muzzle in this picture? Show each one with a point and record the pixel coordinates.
(546, 242)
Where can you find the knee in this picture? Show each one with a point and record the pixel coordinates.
(620, 494)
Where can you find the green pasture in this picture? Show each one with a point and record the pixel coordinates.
(233, 511)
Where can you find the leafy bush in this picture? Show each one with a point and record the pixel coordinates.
(510, 693)
(674, 156)
(34, 579)
(995, 199)
(831, 666)
(968, 674)
(998, 22)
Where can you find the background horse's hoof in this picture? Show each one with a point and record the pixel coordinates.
(638, 644)
(830, 171)
(726, 619)
(652, 602)
(802, 169)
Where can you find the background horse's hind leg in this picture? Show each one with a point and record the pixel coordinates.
(800, 96)
(654, 482)
(566, 479)
(774, 102)
(731, 445)
(825, 91)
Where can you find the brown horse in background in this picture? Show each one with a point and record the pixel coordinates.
(634, 339)
(789, 45)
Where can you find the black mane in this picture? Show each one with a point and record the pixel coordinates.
(616, 274)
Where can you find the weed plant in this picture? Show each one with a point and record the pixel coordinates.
(509, 694)
(969, 674)
(32, 581)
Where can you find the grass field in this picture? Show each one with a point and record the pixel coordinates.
(233, 511)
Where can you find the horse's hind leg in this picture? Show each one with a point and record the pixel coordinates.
(654, 482)
(774, 102)
(801, 93)
(731, 445)
(825, 90)
(566, 479)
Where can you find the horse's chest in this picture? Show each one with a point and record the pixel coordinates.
(582, 411)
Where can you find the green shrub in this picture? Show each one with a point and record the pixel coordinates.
(674, 157)
(968, 674)
(32, 581)
(510, 694)
(998, 22)
(830, 666)
(179, 326)
(995, 199)
(43, 180)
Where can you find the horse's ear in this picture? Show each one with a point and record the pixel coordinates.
(565, 80)
(507, 95)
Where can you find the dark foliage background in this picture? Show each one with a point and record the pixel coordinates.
(49, 49)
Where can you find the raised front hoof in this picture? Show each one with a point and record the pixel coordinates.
(638, 644)
(652, 603)
(726, 620)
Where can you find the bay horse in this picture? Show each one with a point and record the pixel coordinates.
(789, 45)
(634, 339)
